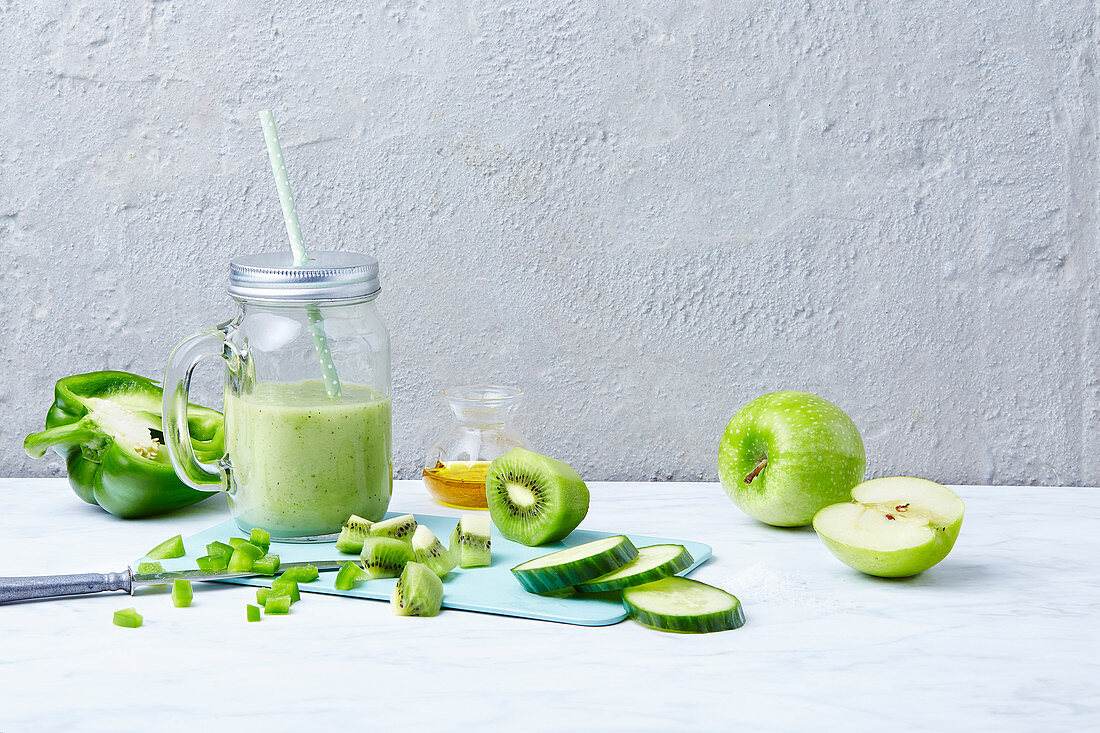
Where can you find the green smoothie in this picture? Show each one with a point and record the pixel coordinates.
(302, 462)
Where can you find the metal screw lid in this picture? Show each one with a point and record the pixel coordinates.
(325, 276)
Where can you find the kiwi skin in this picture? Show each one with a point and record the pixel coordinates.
(561, 497)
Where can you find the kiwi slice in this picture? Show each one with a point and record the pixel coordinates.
(470, 541)
(354, 531)
(399, 528)
(427, 549)
(533, 499)
(653, 563)
(419, 592)
(575, 565)
(172, 547)
(385, 557)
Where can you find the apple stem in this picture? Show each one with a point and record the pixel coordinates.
(756, 471)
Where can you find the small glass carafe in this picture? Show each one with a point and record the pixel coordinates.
(458, 461)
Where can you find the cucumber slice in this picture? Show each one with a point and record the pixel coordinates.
(172, 547)
(182, 593)
(302, 574)
(653, 563)
(219, 549)
(350, 575)
(683, 605)
(127, 617)
(253, 612)
(241, 561)
(212, 563)
(575, 565)
(266, 565)
(277, 605)
(261, 538)
(253, 551)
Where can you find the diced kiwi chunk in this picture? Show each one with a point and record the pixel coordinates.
(470, 541)
(428, 550)
(534, 499)
(352, 534)
(385, 557)
(240, 562)
(261, 538)
(220, 549)
(277, 605)
(287, 587)
(575, 565)
(212, 563)
(683, 605)
(653, 563)
(128, 617)
(419, 592)
(253, 612)
(399, 528)
(182, 593)
(302, 573)
(266, 565)
(172, 547)
(349, 576)
(253, 551)
(149, 568)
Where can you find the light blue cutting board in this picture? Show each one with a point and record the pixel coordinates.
(490, 589)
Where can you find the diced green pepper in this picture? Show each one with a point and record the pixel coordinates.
(150, 568)
(172, 547)
(277, 605)
(128, 617)
(212, 563)
(286, 586)
(302, 573)
(241, 562)
(350, 575)
(261, 538)
(253, 612)
(182, 593)
(220, 549)
(262, 594)
(241, 544)
(266, 565)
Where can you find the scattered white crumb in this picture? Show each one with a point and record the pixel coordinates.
(760, 584)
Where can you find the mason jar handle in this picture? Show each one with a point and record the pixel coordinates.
(177, 387)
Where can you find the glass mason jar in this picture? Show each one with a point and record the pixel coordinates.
(306, 398)
(457, 463)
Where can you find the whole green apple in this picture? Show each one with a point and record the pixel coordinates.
(787, 455)
(893, 527)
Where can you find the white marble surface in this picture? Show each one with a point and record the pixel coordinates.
(1003, 635)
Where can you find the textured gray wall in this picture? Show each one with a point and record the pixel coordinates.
(645, 214)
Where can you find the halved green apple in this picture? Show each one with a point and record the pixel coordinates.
(892, 527)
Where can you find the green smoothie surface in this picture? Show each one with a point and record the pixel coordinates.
(303, 462)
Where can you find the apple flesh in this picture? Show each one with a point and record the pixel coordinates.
(893, 527)
(787, 455)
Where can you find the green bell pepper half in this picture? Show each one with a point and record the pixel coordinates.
(107, 427)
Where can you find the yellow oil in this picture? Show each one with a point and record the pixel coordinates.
(459, 484)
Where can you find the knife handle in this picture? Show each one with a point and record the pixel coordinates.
(50, 586)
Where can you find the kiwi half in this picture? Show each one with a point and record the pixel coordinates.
(534, 499)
